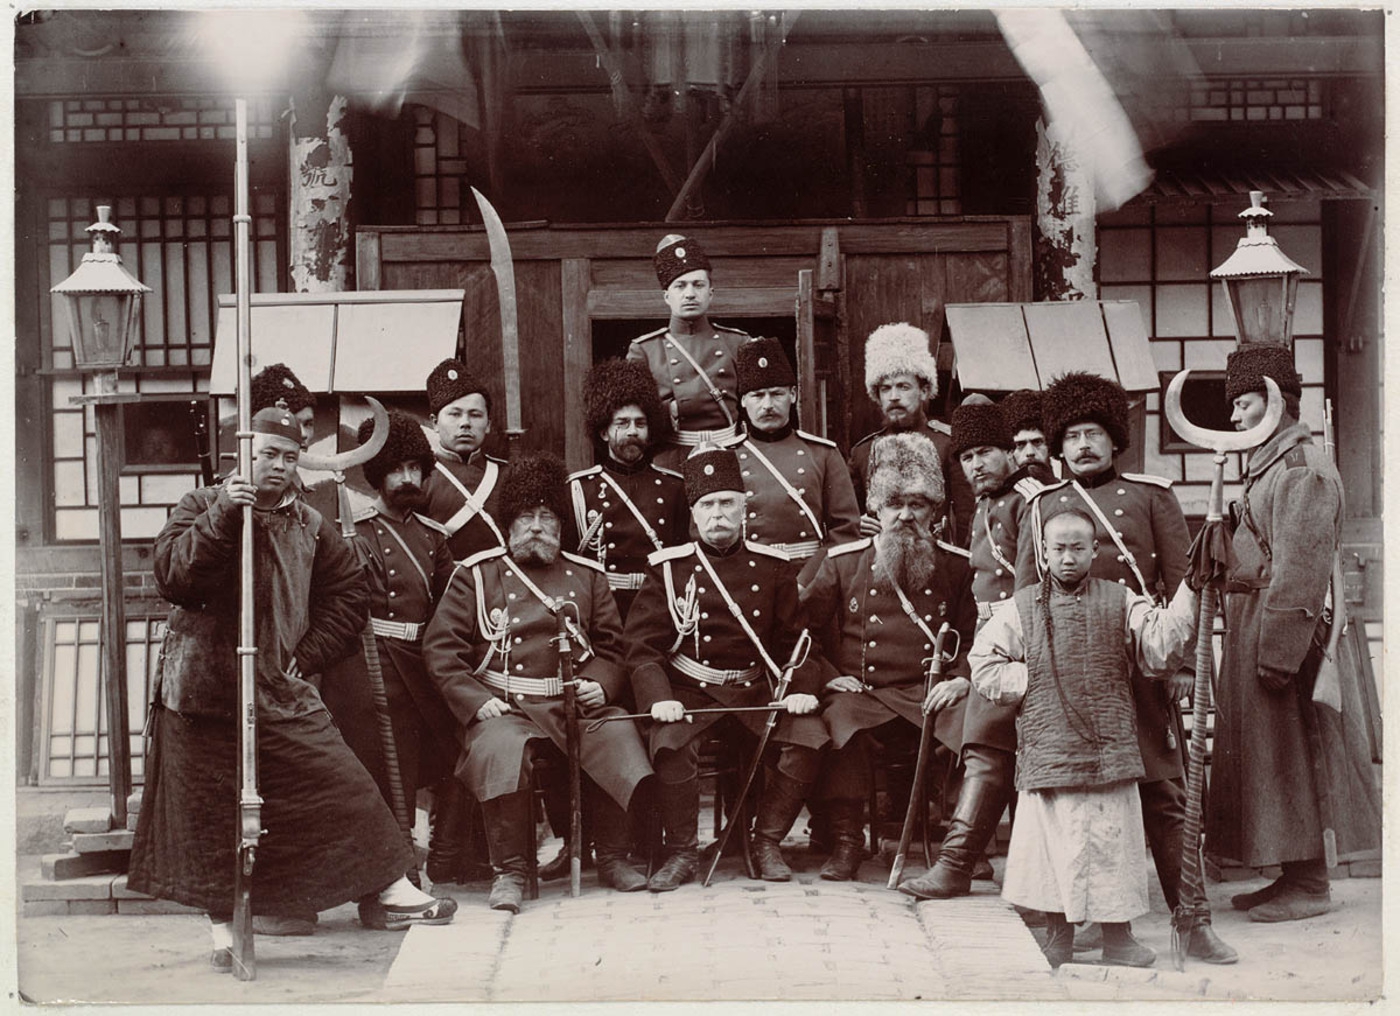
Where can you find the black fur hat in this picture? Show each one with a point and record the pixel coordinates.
(977, 423)
(276, 382)
(612, 384)
(1247, 367)
(449, 381)
(533, 481)
(676, 255)
(1021, 411)
(761, 363)
(1078, 396)
(710, 469)
(407, 443)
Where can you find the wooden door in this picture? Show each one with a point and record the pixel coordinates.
(823, 384)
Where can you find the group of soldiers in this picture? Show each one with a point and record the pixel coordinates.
(719, 573)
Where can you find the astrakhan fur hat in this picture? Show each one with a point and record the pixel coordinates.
(905, 463)
(275, 383)
(534, 481)
(1080, 397)
(899, 349)
(678, 255)
(710, 469)
(406, 443)
(613, 384)
(761, 363)
(978, 423)
(450, 381)
(1247, 367)
(1021, 410)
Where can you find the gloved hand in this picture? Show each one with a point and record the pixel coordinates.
(1274, 680)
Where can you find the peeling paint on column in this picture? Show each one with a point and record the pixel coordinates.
(1065, 247)
(321, 175)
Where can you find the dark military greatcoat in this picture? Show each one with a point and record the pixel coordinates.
(866, 633)
(959, 491)
(491, 629)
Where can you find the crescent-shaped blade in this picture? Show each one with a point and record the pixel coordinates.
(341, 461)
(1223, 440)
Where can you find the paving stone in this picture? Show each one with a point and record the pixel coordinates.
(87, 820)
(64, 866)
(153, 907)
(92, 843)
(46, 908)
(121, 892)
(88, 887)
(90, 907)
(1365, 869)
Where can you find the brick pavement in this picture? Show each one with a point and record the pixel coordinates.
(737, 940)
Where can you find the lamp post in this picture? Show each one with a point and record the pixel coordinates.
(103, 301)
(1260, 281)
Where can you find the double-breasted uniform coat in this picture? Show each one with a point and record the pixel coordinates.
(470, 523)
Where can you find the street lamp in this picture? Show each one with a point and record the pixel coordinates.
(103, 301)
(1261, 282)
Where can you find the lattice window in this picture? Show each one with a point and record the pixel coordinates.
(935, 185)
(439, 168)
(73, 725)
(1248, 100)
(154, 119)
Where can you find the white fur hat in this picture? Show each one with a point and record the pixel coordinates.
(899, 349)
(907, 463)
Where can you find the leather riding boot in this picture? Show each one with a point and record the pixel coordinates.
(777, 810)
(1059, 940)
(509, 838)
(848, 830)
(445, 828)
(613, 833)
(680, 819)
(1120, 949)
(985, 790)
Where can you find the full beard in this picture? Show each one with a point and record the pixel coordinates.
(905, 557)
(529, 549)
(408, 497)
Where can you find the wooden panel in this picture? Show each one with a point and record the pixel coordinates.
(728, 272)
(807, 413)
(993, 349)
(542, 382)
(365, 332)
(1068, 336)
(297, 335)
(627, 304)
(481, 351)
(1127, 338)
(977, 278)
(578, 357)
(1019, 282)
(367, 260)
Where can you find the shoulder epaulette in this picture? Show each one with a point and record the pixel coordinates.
(759, 548)
(732, 331)
(480, 556)
(591, 470)
(498, 461)
(583, 561)
(670, 553)
(667, 472)
(368, 511)
(941, 427)
(955, 549)
(1045, 488)
(850, 548)
(1159, 481)
(1295, 458)
(432, 524)
(652, 335)
(815, 439)
(1028, 487)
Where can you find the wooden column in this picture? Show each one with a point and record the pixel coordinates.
(1065, 247)
(319, 180)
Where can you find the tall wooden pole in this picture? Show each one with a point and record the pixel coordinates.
(113, 599)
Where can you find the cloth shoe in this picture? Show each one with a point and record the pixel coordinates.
(1292, 904)
(1248, 901)
(1088, 938)
(985, 789)
(777, 810)
(1205, 945)
(680, 819)
(1120, 949)
(382, 917)
(1059, 940)
(848, 832)
(273, 925)
(221, 960)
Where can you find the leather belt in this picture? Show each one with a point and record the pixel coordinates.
(693, 438)
(401, 630)
(799, 550)
(548, 687)
(698, 671)
(986, 608)
(625, 580)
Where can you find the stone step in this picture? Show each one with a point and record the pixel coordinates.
(87, 820)
(92, 843)
(86, 895)
(74, 865)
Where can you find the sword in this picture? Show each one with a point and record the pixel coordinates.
(504, 270)
(688, 713)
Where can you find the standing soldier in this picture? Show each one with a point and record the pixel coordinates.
(982, 442)
(492, 649)
(1142, 543)
(799, 490)
(1021, 410)
(463, 489)
(275, 384)
(878, 604)
(901, 376)
(692, 358)
(407, 564)
(712, 626)
(1274, 727)
(626, 507)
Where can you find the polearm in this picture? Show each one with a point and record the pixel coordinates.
(1191, 907)
(503, 268)
(571, 744)
(249, 803)
(916, 792)
(795, 660)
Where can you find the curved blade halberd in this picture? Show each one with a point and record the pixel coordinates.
(503, 268)
(341, 461)
(1222, 441)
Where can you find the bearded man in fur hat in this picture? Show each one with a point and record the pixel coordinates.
(692, 358)
(1273, 712)
(491, 648)
(463, 489)
(1142, 542)
(879, 603)
(625, 507)
(407, 564)
(901, 376)
(800, 498)
(1021, 411)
